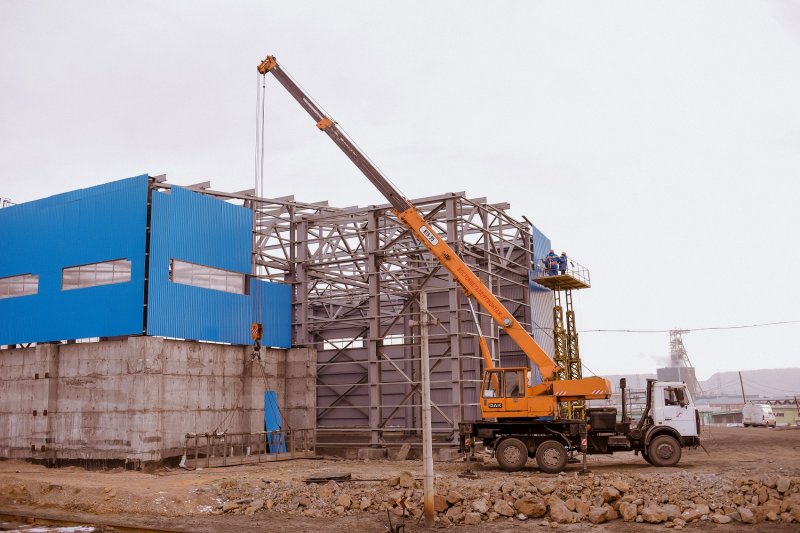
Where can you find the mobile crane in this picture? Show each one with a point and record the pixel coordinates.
(519, 418)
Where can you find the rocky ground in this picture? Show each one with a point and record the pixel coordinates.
(750, 478)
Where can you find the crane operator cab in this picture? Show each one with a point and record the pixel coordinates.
(507, 393)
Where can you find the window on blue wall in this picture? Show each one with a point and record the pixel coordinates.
(91, 275)
(206, 277)
(23, 285)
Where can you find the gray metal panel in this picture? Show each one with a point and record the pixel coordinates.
(541, 298)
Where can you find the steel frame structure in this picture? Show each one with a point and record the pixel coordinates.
(357, 273)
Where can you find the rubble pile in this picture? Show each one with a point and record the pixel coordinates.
(671, 499)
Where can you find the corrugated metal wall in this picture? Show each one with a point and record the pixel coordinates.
(42, 237)
(109, 222)
(272, 307)
(541, 297)
(191, 227)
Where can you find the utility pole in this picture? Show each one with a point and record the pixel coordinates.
(425, 320)
(741, 383)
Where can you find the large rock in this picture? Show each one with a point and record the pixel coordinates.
(673, 511)
(455, 514)
(229, 506)
(702, 509)
(502, 508)
(454, 497)
(746, 515)
(621, 485)
(783, 484)
(598, 515)
(559, 511)
(546, 487)
(406, 480)
(472, 519)
(720, 518)
(628, 511)
(344, 501)
(611, 513)
(583, 508)
(507, 487)
(531, 506)
(440, 503)
(691, 514)
(480, 505)
(609, 494)
(654, 514)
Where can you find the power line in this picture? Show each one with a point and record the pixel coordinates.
(713, 328)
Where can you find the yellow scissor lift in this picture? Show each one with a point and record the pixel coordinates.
(565, 337)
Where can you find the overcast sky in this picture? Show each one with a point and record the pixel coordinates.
(658, 143)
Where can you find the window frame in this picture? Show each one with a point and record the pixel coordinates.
(207, 277)
(88, 274)
(26, 280)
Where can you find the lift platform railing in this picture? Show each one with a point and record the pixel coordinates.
(544, 268)
(228, 449)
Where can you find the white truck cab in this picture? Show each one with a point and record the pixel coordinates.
(673, 407)
(758, 414)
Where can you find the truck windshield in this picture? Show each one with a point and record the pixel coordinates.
(674, 396)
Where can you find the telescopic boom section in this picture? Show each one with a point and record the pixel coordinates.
(419, 227)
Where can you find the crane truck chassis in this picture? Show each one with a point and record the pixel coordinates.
(669, 423)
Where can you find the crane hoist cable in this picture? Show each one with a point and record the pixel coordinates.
(259, 149)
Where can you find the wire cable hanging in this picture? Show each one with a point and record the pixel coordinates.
(711, 328)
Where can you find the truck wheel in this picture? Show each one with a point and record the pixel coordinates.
(512, 454)
(551, 457)
(664, 450)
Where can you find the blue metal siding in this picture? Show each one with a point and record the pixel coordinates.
(198, 229)
(272, 307)
(75, 228)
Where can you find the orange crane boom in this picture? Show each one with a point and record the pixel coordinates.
(472, 286)
(419, 227)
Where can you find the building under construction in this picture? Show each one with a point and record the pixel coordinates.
(347, 340)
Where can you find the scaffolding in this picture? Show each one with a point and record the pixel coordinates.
(357, 274)
(566, 350)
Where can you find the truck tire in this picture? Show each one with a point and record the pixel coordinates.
(664, 450)
(512, 454)
(551, 456)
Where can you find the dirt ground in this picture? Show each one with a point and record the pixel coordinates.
(186, 500)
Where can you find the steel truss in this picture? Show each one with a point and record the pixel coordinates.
(357, 273)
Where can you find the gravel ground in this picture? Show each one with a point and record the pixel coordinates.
(750, 479)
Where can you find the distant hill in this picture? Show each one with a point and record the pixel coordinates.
(766, 383)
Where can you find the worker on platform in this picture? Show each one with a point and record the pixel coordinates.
(551, 263)
(562, 263)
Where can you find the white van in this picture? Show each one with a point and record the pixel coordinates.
(758, 414)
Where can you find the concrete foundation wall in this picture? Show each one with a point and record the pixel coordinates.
(135, 399)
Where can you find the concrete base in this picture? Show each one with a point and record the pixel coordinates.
(134, 399)
(449, 454)
(373, 453)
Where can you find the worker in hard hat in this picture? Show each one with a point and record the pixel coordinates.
(562, 263)
(551, 263)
